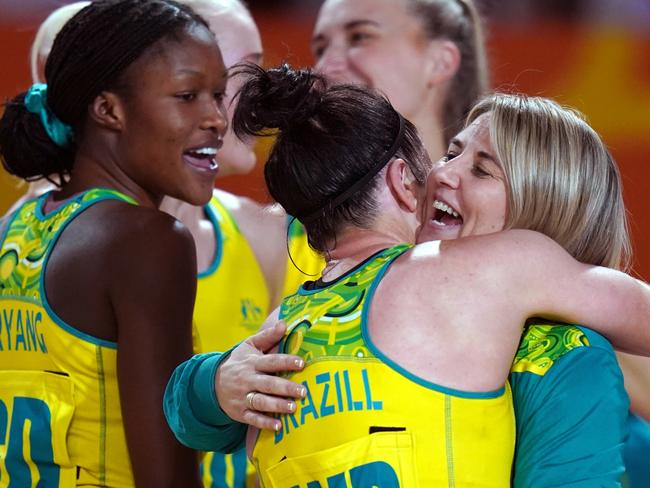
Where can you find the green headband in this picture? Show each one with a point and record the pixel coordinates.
(36, 103)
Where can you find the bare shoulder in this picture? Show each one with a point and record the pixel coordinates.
(251, 215)
(130, 238)
(265, 230)
(149, 236)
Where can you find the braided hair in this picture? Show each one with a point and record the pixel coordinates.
(89, 55)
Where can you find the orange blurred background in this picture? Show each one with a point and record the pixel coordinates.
(601, 69)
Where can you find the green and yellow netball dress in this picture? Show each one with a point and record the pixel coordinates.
(60, 416)
(365, 421)
(232, 302)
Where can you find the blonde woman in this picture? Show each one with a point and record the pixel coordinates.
(559, 179)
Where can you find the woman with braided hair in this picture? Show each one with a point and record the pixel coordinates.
(97, 285)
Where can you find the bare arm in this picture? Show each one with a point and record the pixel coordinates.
(264, 227)
(543, 279)
(152, 294)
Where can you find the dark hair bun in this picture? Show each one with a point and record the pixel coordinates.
(26, 149)
(280, 98)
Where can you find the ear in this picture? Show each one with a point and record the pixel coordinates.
(403, 185)
(444, 61)
(107, 110)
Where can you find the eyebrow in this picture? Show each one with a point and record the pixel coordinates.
(486, 155)
(481, 154)
(349, 26)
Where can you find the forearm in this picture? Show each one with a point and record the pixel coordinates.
(192, 408)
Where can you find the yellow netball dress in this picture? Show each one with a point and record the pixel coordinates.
(365, 421)
(303, 262)
(60, 416)
(232, 302)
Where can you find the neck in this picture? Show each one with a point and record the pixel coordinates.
(95, 168)
(353, 245)
(431, 133)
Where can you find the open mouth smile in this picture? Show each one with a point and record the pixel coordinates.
(202, 158)
(444, 215)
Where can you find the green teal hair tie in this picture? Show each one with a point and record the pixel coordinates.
(36, 103)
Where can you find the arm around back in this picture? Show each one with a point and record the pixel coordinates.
(545, 281)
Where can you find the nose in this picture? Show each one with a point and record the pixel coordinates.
(215, 118)
(333, 63)
(446, 174)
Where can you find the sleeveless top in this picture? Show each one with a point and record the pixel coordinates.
(60, 415)
(365, 420)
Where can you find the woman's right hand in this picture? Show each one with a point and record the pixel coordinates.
(246, 384)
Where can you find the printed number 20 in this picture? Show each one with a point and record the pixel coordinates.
(40, 443)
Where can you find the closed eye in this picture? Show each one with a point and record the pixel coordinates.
(358, 36)
(478, 171)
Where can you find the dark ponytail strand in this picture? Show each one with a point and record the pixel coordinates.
(26, 150)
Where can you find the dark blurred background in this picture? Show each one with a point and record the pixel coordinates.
(590, 54)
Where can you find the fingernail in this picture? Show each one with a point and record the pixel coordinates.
(291, 406)
(277, 426)
(302, 391)
(299, 362)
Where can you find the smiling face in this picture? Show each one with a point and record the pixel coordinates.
(239, 41)
(174, 118)
(378, 44)
(466, 189)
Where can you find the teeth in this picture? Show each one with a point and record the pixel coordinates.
(207, 151)
(445, 208)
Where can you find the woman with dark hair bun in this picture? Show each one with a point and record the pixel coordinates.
(383, 331)
(97, 285)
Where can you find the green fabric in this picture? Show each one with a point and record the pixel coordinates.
(637, 453)
(36, 102)
(570, 409)
(192, 410)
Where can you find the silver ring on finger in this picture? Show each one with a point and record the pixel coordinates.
(249, 399)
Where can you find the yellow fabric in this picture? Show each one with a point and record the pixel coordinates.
(304, 258)
(232, 302)
(232, 299)
(367, 422)
(60, 416)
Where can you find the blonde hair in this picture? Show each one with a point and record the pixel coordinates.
(48, 31)
(459, 22)
(561, 179)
